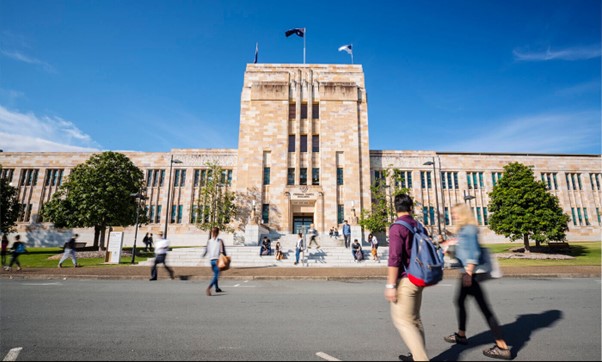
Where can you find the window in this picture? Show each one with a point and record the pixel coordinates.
(479, 217)
(265, 213)
(53, 177)
(151, 214)
(180, 178)
(29, 177)
(315, 143)
(266, 175)
(303, 110)
(485, 217)
(194, 214)
(449, 180)
(7, 174)
(315, 110)
(425, 179)
(172, 219)
(155, 178)
(574, 218)
(585, 216)
(303, 142)
(573, 181)
(159, 212)
(550, 180)
(425, 215)
(290, 177)
(197, 178)
(475, 180)
(291, 143)
(446, 215)
(292, 111)
(303, 176)
(495, 177)
(340, 214)
(315, 176)
(598, 215)
(595, 180)
(340, 176)
(379, 178)
(24, 212)
(403, 179)
(180, 212)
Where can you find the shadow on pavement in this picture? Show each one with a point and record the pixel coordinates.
(517, 334)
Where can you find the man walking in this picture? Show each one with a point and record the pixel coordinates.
(347, 234)
(161, 249)
(69, 251)
(405, 297)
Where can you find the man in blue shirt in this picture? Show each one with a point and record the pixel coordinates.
(347, 234)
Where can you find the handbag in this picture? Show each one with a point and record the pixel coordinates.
(488, 267)
(223, 262)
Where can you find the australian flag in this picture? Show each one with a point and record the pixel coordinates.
(298, 31)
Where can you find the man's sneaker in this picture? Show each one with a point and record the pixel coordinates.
(408, 357)
(456, 338)
(60, 266)
(497, 352)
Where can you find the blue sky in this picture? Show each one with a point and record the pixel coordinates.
(469, 76)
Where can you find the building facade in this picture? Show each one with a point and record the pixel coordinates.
(303, 158)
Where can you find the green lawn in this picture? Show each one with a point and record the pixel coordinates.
(585, 253)
(38, 258)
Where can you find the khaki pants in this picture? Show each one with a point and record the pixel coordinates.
(406, 318)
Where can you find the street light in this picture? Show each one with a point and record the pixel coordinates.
(171, 162)
(139, 198)
(392, 213)
(468, 197)
(428, 163)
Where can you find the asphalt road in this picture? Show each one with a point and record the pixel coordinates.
(544, 319)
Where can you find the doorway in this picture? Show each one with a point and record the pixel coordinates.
(301, 222)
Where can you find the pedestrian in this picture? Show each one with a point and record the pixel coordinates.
(313, 237)
(4, 249)
(347, 233)
(405, 298)
(373, 247)
(356, 251)
(468, 252)
(299, 248)
(331, 232)
(146, 241)
(215, 247)
(160, 254)
(266, 247)
(150, 242)
(69, 251)
(18, 248)
(279, 255)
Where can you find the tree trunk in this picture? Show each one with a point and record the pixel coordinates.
(96, 236)
(537, 243)
(526, 242)
(103, 230)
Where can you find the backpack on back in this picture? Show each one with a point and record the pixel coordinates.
(426, 265)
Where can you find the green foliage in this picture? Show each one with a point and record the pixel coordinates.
(215, 205)
(522, 207)
(383, 212)
(9, 206)
(97, 194)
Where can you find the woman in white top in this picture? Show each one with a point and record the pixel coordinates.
(374, 244)
(215, 246)
(299, 248)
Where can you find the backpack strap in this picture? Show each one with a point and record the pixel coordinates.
(407, 225)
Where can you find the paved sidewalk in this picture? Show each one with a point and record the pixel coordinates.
(301, 272)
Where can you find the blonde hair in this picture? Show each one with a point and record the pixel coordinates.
(463, 216)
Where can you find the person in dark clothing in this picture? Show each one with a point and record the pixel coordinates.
(4, 250)
(69, 251)
(18, 248)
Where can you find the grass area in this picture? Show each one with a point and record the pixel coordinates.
(585, 253)
(38, 258)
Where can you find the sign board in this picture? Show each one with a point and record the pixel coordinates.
(115, 245)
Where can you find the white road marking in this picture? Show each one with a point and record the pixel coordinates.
(236, 285)
(13, 354)
(56, 283)
(326, 356)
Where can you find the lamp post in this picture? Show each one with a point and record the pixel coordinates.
(443, 200)
(139, 198)
(436, 192)
(468, 197)
(392, 213)
(168, 208)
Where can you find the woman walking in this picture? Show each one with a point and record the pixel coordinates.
(468, 252)
(215, 247)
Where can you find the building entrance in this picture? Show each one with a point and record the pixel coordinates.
(301, 222)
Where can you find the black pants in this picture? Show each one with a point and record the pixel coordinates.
(477, 292)
(160, 259)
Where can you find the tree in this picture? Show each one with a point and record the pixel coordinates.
(215, 205)
(97, 194)
(382, 212)
(522, 207)
(9, 206)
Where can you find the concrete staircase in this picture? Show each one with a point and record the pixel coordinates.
(248, 256)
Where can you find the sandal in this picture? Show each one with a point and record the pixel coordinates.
(497, 352)
(456, 338)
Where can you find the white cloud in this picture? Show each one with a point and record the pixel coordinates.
(546, 133)
(16, 55)
(576, 53)
(26, 132)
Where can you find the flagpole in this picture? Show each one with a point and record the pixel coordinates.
(304, 36)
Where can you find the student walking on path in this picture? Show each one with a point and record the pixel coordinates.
(347, 234)
(161, 250)
(69, 251)
(299, 248)
(468, 253)
(18, 248)
(4, 250)
(215, 247)
(405, 298)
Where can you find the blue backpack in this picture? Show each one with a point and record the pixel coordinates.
(426, 263)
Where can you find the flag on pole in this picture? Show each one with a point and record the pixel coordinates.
(298, 31)
(256, 52)
(347, 48)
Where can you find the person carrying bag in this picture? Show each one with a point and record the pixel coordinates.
(219, 259)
